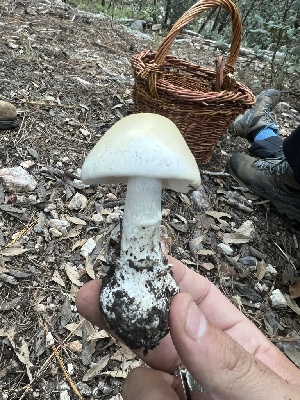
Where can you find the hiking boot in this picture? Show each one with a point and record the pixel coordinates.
(258, 117)
(272, 179)
(8, 115)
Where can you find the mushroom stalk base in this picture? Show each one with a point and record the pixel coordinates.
(136, 294)
(136, 304)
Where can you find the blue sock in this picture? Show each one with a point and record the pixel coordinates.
(265, 133)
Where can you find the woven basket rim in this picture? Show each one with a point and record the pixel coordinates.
(240, 93)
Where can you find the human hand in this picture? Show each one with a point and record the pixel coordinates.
(221, 348)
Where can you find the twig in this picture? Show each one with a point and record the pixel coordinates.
(285, 255)
(215, 173)
(242, 207)
(20, 234)
(66, 373)
(284, 339)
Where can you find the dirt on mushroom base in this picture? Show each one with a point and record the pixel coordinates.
(70, 77)
(138, 325)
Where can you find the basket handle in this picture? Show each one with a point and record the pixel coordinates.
(190, 15)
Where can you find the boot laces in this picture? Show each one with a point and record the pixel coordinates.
(277, 166)
(268, 113)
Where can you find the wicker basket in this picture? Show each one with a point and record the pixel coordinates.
(200, 101)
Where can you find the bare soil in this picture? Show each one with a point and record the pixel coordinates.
(69, 75)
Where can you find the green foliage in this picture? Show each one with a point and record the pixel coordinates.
(275, 26)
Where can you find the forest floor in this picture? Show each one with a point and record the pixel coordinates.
(69, 75)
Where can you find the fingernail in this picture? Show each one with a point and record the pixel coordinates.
(195, 323)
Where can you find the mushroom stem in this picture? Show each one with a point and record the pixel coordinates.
(141, 222)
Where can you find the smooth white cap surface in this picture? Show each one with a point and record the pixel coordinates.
(144, 144)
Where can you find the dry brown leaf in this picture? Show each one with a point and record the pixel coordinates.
(115, 374)
(75, 328)
(205, 252)
(20, 347)
(79, 243)
(101, 256)
(261, 270)
(243, 234)
(13, 251)
(207, 266)
(96, 369)
(294, 289)
(235, 238)
(73, 274)
(181, 217)
(98, 335)
(75, 220)
(184, 199)
(72, 233)
(218, 215)
(188, 262)
(89, 267)
(58, 279)
(292, 354)
(292, 304)
(75, 346)
(123, 352)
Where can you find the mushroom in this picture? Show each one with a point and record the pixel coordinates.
(147, 152)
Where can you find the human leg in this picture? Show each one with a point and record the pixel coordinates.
(259, 126)
(275, 179)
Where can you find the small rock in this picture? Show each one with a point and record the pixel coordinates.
(138, 25)
(84, 389)
(75, 346)
(7, 111)
(113, 217)
(225, 249)
(70, 369)
(200, 199)
(261, 287)
(250, 262)
(111, 196)
(156, 27)
(97, 218)
(88, 247)
(17, 178)
(27, 164)
(50, 207)
(104, 387)
(277, 299)
(78, 184)
(64, 395)
(59, 224)
(78, 202)
(165, 212)
(55, 232)
(271, 272)
(246, 229)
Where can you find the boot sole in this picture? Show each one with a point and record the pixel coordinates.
(290, 211)
(9, 124)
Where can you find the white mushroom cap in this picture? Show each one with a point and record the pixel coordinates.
(146, 145)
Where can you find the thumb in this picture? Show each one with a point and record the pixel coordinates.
(217, 362)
